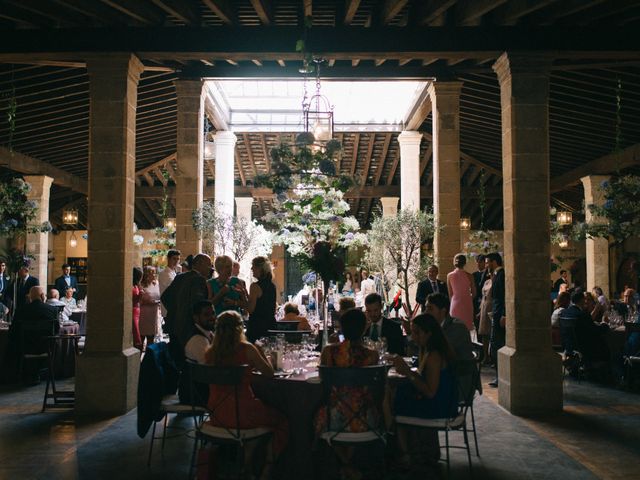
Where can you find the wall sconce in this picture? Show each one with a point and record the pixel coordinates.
(465, 223)
(73, 241)
(70, 216)
(564, 218)
(170, 223)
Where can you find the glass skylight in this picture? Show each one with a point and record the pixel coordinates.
(276, 105)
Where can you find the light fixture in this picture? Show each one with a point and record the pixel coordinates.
(318, 111)
(73, 241)
(465, 223)
(70, 216)
(170, 223)
(564, 218)
(564, 242)
(209, 146)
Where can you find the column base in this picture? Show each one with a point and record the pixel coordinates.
(107, 382)
(530, 382)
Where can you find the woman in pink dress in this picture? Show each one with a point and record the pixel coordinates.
(462, 291)
(136, 293)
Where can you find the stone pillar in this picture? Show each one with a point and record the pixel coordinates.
(190, 160)
(597, 248)
(107, 372)
(410, 169)
(445, 101)
(530, 372)
(243, 207)
(225, 143)
(389, 206)
(38, 243)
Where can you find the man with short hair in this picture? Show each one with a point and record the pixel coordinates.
(179, 298)
(22, 285)
(36, 320)
(430, 285)
(4, 286)
(167, 275)
(66, 280)
(498, 314)
(53, 299)
(454, 329)
(203, 324)
(381, 327)
(563, 280)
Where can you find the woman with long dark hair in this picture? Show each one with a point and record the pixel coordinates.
(261, 304)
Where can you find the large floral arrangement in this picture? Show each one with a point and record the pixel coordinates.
(17, 213)
(310, 213)
(481, 242)
(620, 210)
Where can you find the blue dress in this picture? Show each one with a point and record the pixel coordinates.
(410, 402)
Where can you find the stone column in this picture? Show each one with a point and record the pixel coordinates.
(190, 160)
(389, 206)
(243, 207)
(530, 372)
(597, 248)
(38, 243)
(445, 101)
(107, 372)
(225, 143)
(410, 169)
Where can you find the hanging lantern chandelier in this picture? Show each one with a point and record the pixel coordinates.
(465, 223)
(70, 216)
(564, 218)
(317, 110)
(73, 241)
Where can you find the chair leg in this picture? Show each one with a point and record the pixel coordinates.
(468, 447)
(193, 457)
(164, 431)
(46, 393)
(153, 438)
(446, 443)
(475, 437)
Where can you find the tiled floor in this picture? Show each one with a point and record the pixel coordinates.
(597, 436)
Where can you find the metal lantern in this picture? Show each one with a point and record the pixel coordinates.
(564, 242)
(564, 218)
(70, 216)
(465, 223)
(318, 111)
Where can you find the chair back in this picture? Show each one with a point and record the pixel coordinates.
(338, 384)
(468, 381)
(288, 325)
(290, 336)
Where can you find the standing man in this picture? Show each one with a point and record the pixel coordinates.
(4, 286)
(381, 327)
(66, 280)
(498, 319)
(454, 329)
(429, 286)
(563, 280)
(166, 276)
(21, 285)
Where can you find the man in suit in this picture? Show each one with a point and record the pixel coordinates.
(66, 280)
(430, 285)
(4, 286)
(35, 321)
(380, 327)
(454, 329)
(498, 319)
(186, 290)
(22, 284)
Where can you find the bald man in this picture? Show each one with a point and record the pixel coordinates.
(36, 320)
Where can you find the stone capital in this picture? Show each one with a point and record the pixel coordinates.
(225, 137)
(409, 137)
(189, 87)
(40, 184)
(243, 207)
(521, 63)
(593, 188)
(112, 64)
(389, 206)
(444, 88)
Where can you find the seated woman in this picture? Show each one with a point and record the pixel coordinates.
(594, 308)
(431, 391)
(350, 353)
(292, 314)
(225, 291)
(68, 299)
(229, 348)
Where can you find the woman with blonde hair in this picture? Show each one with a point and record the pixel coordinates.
(231, 348)
(149, 304)
(261, 303)
(225, 291)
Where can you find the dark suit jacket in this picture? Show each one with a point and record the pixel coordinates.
(458, 337)
(33, 322)
(61, 284)
(23, 290)
(4, 288)
(425, 289)
(392, 331)
(479, 278)
(497, 294)
(179, 297)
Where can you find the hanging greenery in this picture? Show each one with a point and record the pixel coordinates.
(481, 241)
(17, 213)
(11, 107)
(165, 236)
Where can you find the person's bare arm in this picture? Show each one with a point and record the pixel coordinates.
(449, 289)
(474, 291)
(255, 292)
(427, 387)
(258, 360)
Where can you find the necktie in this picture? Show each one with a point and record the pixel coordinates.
(374, 332)
(434, 286)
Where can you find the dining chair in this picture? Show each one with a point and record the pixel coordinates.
(206, 431)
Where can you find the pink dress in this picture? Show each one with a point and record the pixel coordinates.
(461, 299)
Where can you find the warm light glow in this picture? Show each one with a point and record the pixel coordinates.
(70, 216)
(170, 223)
(564, 218)
(73, 241)
(564, 243)
(465, 223)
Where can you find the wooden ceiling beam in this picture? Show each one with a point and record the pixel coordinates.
(470, 12)
(138, 11)
(179, 9)
(561, 9)
(391, 8)
(31, 166)
(419, 111)
(608, 164)
(222, 10)
(263, 10)
(428, 153)
(383, 158)
(354, 157)
(247, 146)
(45, 9)
(307, 8)
(514, 10)
(240, 168)
(368, 157)
(350, 11)
(430, 10)
(394, 167)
